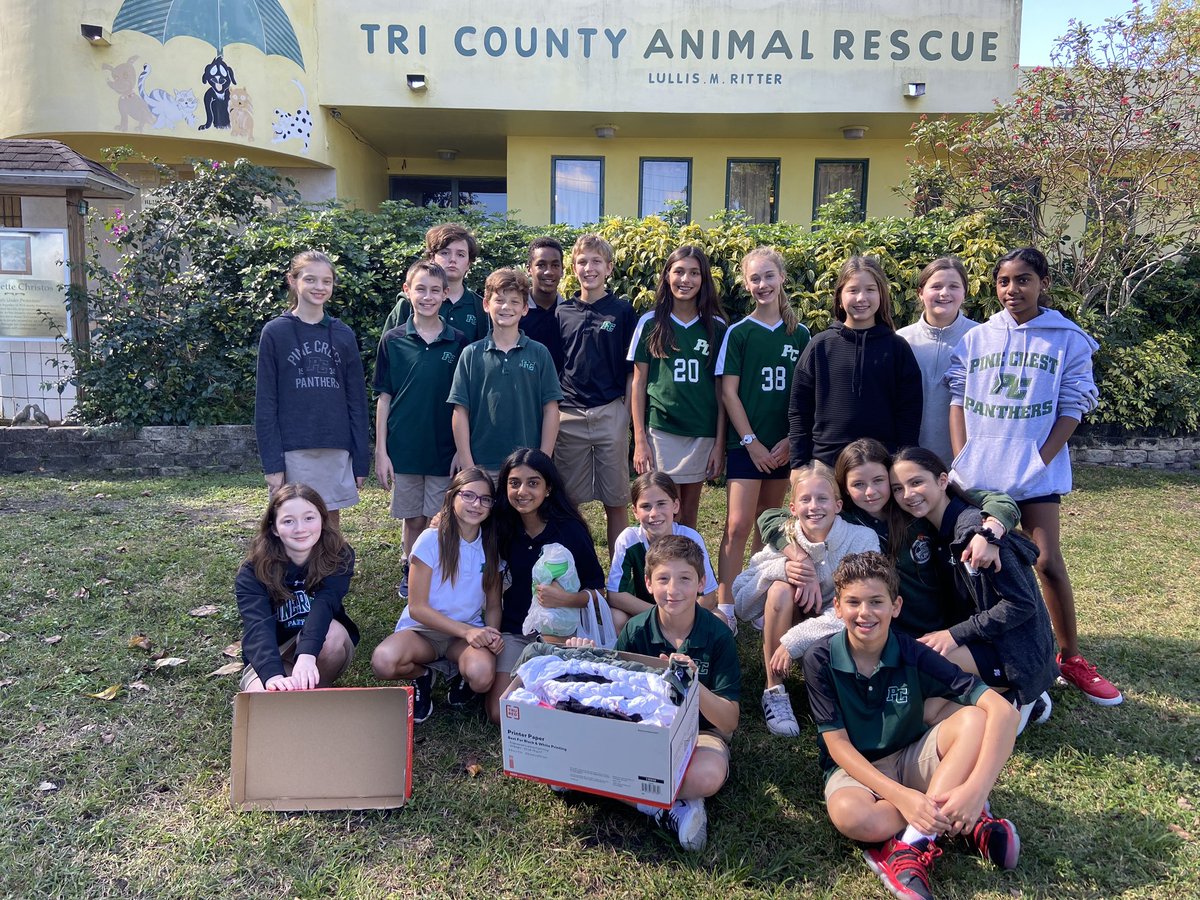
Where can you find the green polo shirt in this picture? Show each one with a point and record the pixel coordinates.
(883, 712)
(710, 645)
(418, 375)
(466, 315)
(504, 394)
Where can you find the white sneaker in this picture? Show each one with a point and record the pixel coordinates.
(1041, 709)
(687, 821)
(777, 710)
(730, 616)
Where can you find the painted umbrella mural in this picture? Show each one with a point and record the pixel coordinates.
(259, 23)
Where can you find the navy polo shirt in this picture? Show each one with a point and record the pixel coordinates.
(595, 340)
(541, 325)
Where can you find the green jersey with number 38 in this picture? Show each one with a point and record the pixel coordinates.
(682, 388)
(764, 358)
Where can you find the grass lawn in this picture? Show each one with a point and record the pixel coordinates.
(1106, 799)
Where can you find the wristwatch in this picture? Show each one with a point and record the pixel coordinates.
(748, 439)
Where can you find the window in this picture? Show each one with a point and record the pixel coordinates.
(490, 193)
(1020, 205)
(10, 211)
(665, 181)
(752, 186)
(576, 189)
(1116, 202)
(833, 175)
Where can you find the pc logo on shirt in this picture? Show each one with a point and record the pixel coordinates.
(791, 353)
(701, 346)
(608, 325)
(897, 694)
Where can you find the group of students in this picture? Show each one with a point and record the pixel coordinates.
(498, 416)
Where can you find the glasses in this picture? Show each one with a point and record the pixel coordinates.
(471, 498)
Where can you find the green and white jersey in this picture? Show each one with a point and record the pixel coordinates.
(764, 358)
(681, 388)
(627, 573)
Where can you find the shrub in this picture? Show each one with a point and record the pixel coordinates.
(176, 324)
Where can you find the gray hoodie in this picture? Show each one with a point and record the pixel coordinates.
(1013, 383)
(932, 348)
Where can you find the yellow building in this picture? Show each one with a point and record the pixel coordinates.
(561, 112)
(558, 113)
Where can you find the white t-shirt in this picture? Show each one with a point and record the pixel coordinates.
(464, 601)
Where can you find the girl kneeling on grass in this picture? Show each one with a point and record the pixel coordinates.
(295, 632)
(1002, 630)
(453, 607)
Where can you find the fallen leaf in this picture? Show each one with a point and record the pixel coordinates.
(1179, 832)
(53, 639)
(40, 728)
(107, 738)
(169, 662)
(82, 594)
(201, 611)
(139, 642)
(5, 637)
(7, 681)
(109, 693)
(474, 770)
(52, 593)
(47, 786)
(100, 496)
(147, 493)
(122, 549)
(233, 651)
(1183, 803)
(138, 686)
(227, 669)
(100, 582)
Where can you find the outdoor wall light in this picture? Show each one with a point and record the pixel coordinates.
(81, 207)
(854, 132)
(417, 82)
(447, 154)
(606, 132)
(914, 89)
(95, 35)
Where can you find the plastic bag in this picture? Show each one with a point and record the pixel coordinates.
(554, 564)
(596, 622)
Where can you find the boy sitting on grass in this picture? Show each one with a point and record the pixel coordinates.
(891, 780)
(678, 627)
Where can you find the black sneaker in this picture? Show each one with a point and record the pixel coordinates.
(423, 696)
(402, 587)
(458, 692)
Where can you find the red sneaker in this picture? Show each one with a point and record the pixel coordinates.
(904, 868)
(996, 840)
(1078, 671)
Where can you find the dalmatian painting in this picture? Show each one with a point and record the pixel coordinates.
(219, 77)
(299, 124)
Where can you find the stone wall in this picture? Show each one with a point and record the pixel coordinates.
(160, 450)
(231, 448)
(1103, 447)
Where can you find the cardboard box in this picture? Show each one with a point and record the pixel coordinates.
(333, 748)
(624, 760)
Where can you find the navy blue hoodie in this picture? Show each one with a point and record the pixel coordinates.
(850, 384)
(311, 392)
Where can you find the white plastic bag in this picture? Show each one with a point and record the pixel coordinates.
(554, 564)
(596, 622)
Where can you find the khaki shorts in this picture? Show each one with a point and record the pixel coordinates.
(912, 766)
(414, 496)
(438, 640)
(287, 652)
(514, 646)
(328, 472)
(592, 453)
(684, 458)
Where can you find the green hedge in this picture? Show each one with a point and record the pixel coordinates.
(176, 325)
